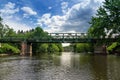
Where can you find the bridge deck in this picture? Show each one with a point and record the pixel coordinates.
(57, 38)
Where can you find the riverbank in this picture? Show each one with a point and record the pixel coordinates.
(2, 55)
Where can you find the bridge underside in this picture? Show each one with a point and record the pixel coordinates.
(53, 40)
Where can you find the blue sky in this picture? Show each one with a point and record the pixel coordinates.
(51, 15)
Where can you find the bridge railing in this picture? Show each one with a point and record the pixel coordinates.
(56, 37)
(12, 39)
(68, 35)
(52, 37)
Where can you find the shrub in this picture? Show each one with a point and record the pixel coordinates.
(112, 46)
(53, 48)
(83, 47)
(43, 48)
(9, 48)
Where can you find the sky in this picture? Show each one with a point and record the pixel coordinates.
(50, 15)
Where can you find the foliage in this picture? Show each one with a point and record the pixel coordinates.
(106, 21)
(10, 32)
(112, 46)
(59, 45)
(3, 28)
(40, 47)
(53, 48)
(43, 48)
(82, 47)
(6, 48)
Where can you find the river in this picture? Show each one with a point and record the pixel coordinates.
(64, 66)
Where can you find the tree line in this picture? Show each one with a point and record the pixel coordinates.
(6, 31)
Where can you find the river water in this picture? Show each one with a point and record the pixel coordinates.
(64, 66)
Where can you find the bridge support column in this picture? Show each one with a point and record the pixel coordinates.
(26, 49)
(0, 45)
(100, 49)
(104, 49)
(29, 49)
(23, 48)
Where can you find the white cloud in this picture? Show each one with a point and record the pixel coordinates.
(100, 1)
(77, 1)
(45, 19)
(64, 7)
(9, 15)
(28, 11)
(75, 19)
(8, 10)
(17, 25)
(54, 22)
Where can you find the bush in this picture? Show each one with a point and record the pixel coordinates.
(59, 45)
(53, 48)
(8, 48)
(83, 47)
(43, 48)
(112, 46)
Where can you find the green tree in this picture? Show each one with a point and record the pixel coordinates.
(43, 48)
(7, 48)
(11, 32)
(53, 48)
(3, 28)
(106, 20)
(82, 47)
(37, 33)
(59, 45)
(114, 46)
(29, 34)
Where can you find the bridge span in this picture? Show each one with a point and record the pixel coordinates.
(26, 43)
(56, 38)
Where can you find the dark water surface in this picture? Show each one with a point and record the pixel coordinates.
(67, 66)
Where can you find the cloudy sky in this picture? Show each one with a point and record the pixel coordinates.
(51, 15)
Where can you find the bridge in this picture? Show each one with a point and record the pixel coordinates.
(51, 38)
(56, 38)
(26, 43)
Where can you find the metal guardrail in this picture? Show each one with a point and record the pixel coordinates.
(56, 38)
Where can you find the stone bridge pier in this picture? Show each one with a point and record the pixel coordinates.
(26, 49)
(100, 49)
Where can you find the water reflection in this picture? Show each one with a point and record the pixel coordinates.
(66, 59)
(113, 68)
(99, 67)
(65, 66)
